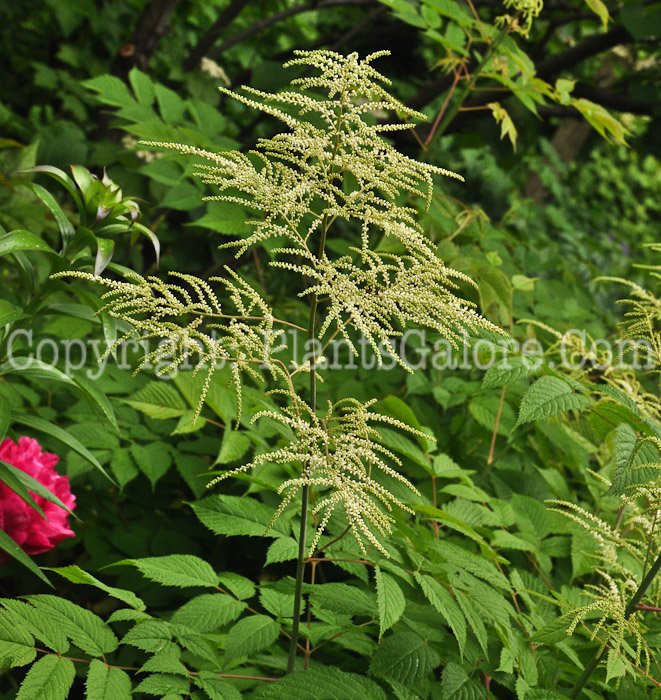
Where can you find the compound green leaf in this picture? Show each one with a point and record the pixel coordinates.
(390, 600)
(208, 612)
(282, 549)
(105, 683)
(235, 515)
(216, 688)
(158, 399)
(43, 627)
(474, 619)
(405, 658)
(445, 604)
(250, 635)
(634, 460)
(343, 598)
(50, 678)
(456, 685)
(164, 684)
(549, 396)
(76, 575)
(16, 643)
(85, 629)
(510, 370)
(181, 570)
(326, 683)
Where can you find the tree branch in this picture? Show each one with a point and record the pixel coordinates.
(590, 47)
(226, 17)
(545, 69)
(616, 101)
(278, 17)
(151, 26)
(358, 28)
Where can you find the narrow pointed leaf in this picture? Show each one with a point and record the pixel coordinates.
(390, 600)
(56, 432)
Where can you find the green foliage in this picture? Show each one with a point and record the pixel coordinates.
(517, 535)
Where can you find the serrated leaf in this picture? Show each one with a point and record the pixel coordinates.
(394, 406)
(553, 632)
(549, 396)
(208, 612)
(85, 629)
(168, 661)
(43, 627)
(105, 683)
(278, 603)
(445, 604)
(250, 635)
(390, 600)
(456, 524)
(468, 561)
(343, 598)
(235, 444)
(158, 399)
(474, 620)
(181, 570)
(112, 90)
(153, 636)
(76, 575)
(486, 409)
(152, 459)
(142, 85)
(123, 467)
(507, 127)
(457, 685)
(282, 549)
(235, 515)
(405, 446)
(405, 658)
(325, 683)
(216, 688)
(49, 678)
(510, 370)
(240, 586)
(634, 460)
(16, 643)
(163, 684)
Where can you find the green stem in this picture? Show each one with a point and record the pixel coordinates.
(305, 491)
(599, 655)
(452, 113)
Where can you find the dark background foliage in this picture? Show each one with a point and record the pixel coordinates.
(83, 80)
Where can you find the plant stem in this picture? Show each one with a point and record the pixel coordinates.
(305, 491)
(599, 655)
(298, 588)
(452, 113)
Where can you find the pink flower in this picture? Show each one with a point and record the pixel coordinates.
(21, 522)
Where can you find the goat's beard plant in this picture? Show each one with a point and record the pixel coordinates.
(331, 165)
